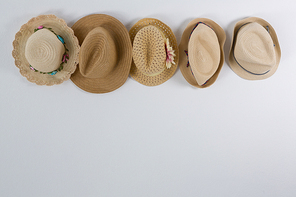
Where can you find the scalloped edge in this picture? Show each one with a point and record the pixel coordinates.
(16, 52)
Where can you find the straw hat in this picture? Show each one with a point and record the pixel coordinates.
(255, 51)
(46, 50)
(105, 55)
(201, 52)
(155, 52)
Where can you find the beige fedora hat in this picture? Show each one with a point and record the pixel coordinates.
(155, 52)
(255, 51)
(105, 55)
(45, 50)
(201, 52)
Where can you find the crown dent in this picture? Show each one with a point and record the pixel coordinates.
(149, 52)
(254, 48)
(98, 55)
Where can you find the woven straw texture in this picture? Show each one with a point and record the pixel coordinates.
(203, 53)
(186, 71)
(113, 75)
(238, 69)
(44, 51)
(60, 27)
(149, 51)
(136, 72)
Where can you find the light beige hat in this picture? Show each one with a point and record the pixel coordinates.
(105, 55)
(155, 52)
(46, 50)
(201, 52)
(255, 51)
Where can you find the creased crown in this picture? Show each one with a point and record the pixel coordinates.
(98, 55)
(254, 48)
(149, 52)
(203, 53)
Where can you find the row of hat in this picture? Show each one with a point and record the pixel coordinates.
(98, 53)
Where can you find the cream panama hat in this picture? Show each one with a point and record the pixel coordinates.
(255, 51)
(46, 50)
(201, 52)
(155, 52)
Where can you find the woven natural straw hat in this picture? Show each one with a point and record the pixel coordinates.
(155, 52)
(255, 51)
(46, 50)
(201, 52)
(105, 55)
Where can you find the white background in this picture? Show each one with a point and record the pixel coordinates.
(236, 138)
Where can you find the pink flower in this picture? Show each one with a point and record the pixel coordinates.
(65, 57)
(40, 27)
(170, 54)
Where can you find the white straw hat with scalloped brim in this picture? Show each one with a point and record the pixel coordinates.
(255, 51)
(105, 56)
(155, 52)
(46, 50)
(201, 52)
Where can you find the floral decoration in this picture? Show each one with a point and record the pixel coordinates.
(170, 54)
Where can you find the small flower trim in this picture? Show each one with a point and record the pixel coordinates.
(65, 56)
(50, 73)
(170, 54)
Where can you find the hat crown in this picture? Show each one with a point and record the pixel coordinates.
(44, 51)
(254, 48)
(149, 51)
(98, 55)
(203, 53)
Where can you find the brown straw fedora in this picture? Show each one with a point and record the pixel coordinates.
(46, 50)
(105, 55)
(155, 52)
(255, 51)
(201, 52)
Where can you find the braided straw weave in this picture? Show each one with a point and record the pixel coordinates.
(60, 27)
(148, 66)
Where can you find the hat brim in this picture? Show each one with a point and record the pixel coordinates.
(59, 26)
(186, 71)
(238, 69)
(120, 73)
(167, 73)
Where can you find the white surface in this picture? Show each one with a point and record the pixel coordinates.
(235, 138)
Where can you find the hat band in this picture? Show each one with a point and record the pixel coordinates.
(154, 74)
(65, 57)
(186, 52)
(267, 29)
(197, 25)
(248, 70)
